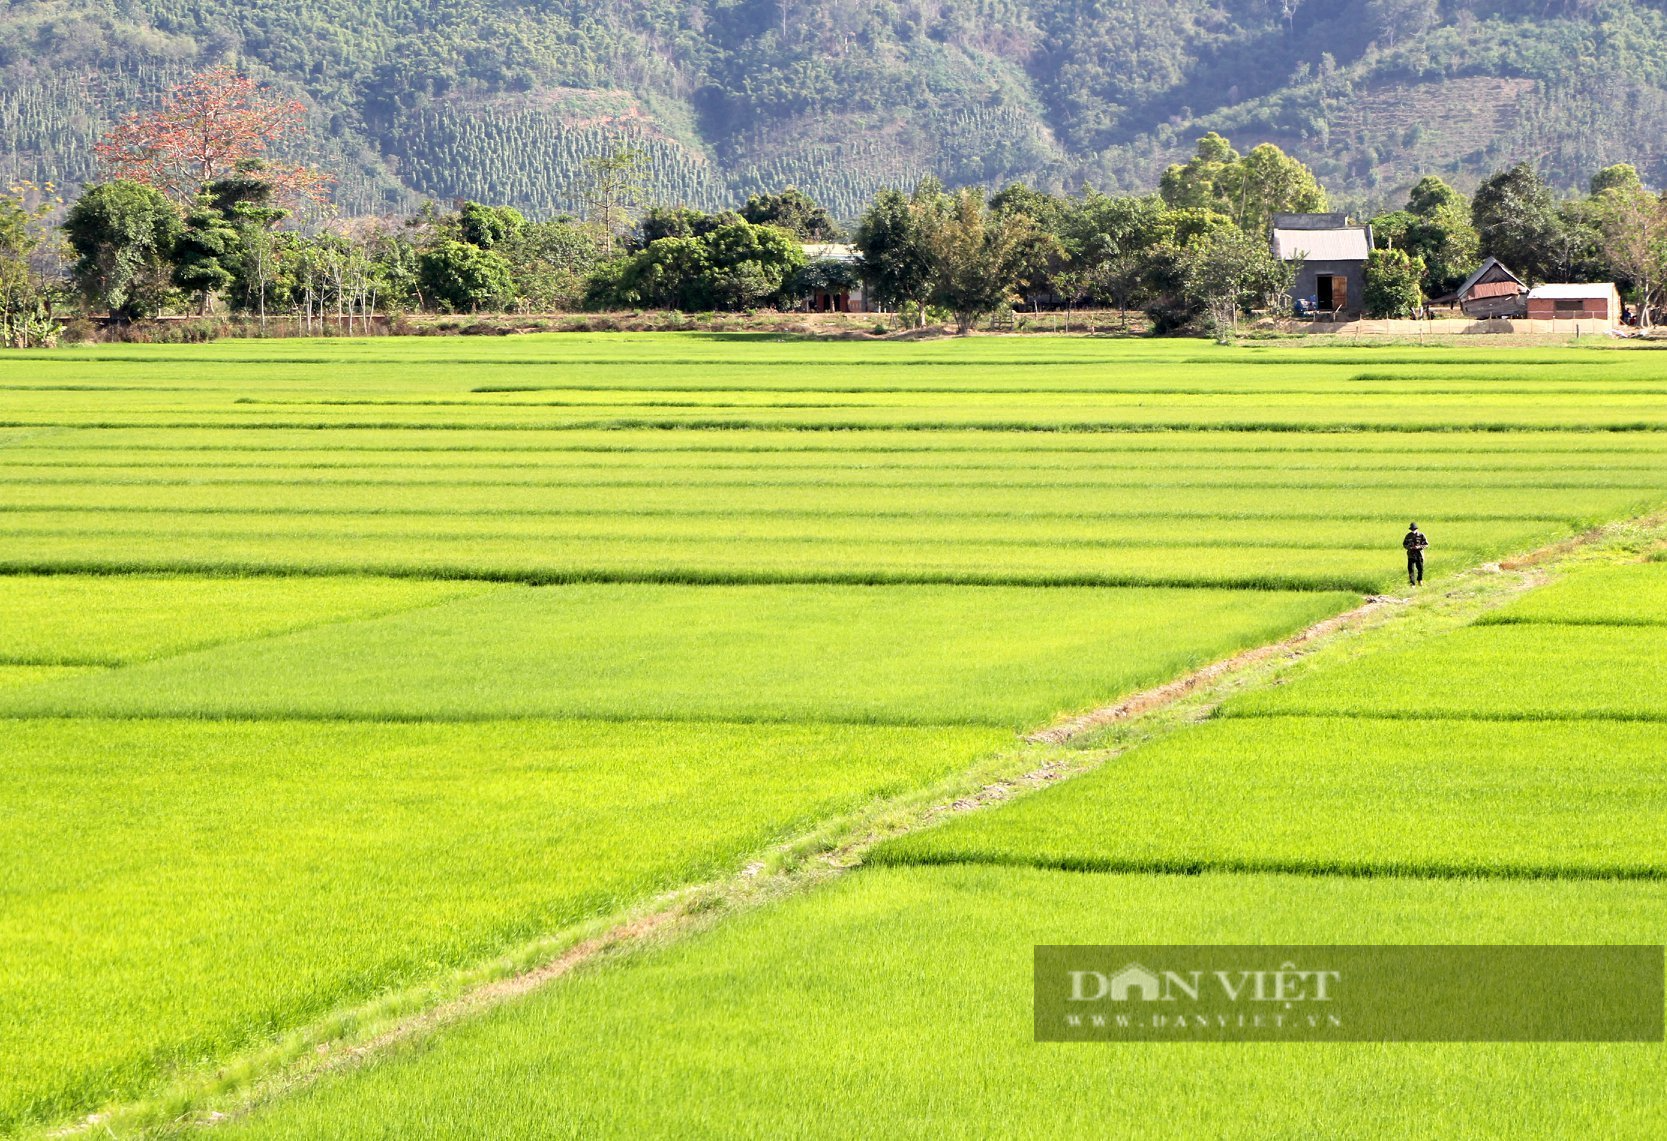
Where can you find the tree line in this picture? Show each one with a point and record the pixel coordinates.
(197, 217)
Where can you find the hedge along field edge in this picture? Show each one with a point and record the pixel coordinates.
(1374, 869)
(820, 854)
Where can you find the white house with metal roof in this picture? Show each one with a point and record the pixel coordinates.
(1592, 301)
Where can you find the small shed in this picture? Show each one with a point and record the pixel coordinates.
(1492, 291)
(1575, 301)
(1333, 252)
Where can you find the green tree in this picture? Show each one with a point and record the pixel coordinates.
(26, 303)
(977, 257)
(663, 275)
(613, 191)
(1433, 194)
(1621, 176)
(1228, 271)
(1108, 241)
(549, 262)
(487, 227)
(123, 235)
(1044, 263)
(748, 264)
(794, 211)
(1250, 189)
(1633, 225)
(1435, 228)
(671, 222)
(1266, 182)
(1393, 284)
(1516, 221)
(1201, 182)
(895, 263)
(463, 278)
(722, 262)
(204, 254)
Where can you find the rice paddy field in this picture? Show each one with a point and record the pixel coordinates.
(339, 677)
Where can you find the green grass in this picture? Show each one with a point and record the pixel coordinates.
(172, 891)
(1343, 796)
(104, 620)
(898, 1004)
(1003, 656)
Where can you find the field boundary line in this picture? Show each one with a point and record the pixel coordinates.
(236, 1085)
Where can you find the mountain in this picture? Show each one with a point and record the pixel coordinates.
(502, 100)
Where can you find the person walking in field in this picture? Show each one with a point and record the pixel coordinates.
(1415, 542)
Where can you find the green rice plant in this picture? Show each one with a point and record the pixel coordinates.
(1605, 596)
(381, 800)
(174, 891)
(1388, 508)
(1513, 672)
(1006, 656)
(898, 1003)
(69, 620)
(1353, 796)
(835, 533)
(715, 561)
(32, 675)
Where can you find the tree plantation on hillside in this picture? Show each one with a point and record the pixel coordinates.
(203, 220)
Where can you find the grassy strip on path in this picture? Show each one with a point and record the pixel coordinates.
(357, 1035)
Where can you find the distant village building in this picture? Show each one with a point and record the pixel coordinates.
(1492, 291)
(841, 297)
(1332, 277)
(1592, 302)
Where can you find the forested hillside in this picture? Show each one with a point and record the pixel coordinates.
(501, 100)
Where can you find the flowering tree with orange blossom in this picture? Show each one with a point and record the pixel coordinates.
(209, 127)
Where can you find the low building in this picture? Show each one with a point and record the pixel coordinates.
(1331, 279)
(1492, 291)
(1575, 302)
(839, 289)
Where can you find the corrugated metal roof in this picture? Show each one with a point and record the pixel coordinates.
(1343, 244)
(1571, 291)
(829, 251)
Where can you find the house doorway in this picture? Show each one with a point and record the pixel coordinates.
(1332, 291)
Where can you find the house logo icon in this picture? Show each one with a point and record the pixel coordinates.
(1135, 977)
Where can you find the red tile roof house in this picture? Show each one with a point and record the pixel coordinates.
(1575, 302)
